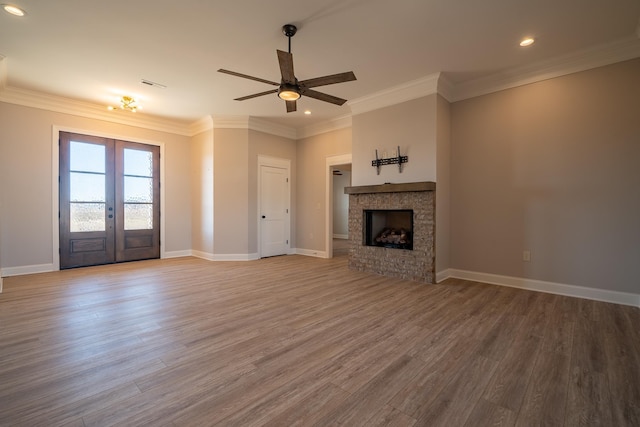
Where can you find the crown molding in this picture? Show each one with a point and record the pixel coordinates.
(395, 95)
(324, 127)
(254, 123)
(201, 125)
(582, 60)
(276, 129)
(30, 98)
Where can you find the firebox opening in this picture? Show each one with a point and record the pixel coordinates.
(389, 228)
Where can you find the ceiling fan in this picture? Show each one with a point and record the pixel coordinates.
(290, 89)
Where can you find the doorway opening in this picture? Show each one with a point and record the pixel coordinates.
(338, 176)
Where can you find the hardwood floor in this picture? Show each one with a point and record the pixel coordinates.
(303, 341)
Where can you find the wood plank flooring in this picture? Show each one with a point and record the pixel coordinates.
(299, 341)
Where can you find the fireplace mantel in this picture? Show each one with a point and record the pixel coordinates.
(392, 188)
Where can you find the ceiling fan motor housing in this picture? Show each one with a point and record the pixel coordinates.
(289, 30)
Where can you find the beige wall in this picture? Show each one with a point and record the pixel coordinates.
(412, 126)
(202, 174)
(231, 191)
(312, 153)
(26, 177)
(235, 161)
(551, 167)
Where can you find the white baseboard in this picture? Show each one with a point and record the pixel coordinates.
(28, 269)
(225, 257)
(177, 254)
(311, 252)
(341, 236)
(235, 257)
(604, 295)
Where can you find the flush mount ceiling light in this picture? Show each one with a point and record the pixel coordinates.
(14, 10)
(127, 103)
(527, 42)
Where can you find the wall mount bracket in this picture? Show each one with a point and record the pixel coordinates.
(398, 160)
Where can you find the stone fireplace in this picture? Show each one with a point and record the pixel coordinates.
(414, 261)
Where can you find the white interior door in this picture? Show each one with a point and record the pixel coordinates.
(274, 211)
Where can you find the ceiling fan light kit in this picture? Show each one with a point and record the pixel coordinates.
(290, 89)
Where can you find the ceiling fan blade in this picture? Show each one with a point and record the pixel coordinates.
(286, 67)
(322, 96)
(244, 76)
(329, 80)
(255, 95)
(291, 106)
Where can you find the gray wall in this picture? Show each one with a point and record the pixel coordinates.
(554, 168)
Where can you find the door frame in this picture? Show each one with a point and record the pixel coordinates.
(331, 161)
(273, 162)
(55, 185)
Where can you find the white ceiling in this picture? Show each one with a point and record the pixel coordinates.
(99, 51)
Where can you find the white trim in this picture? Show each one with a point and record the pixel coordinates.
(59, 104)
(253, 123)
(178, 254)
(201, 125)
(395, 95)
(443, 275)
(340, 236)
(324, 127)
(581, 60)
(235, 257)
(342, 159)
(311, 252)
(280, 163)
(605, 295)
(55, 168)
(28, 269)
(203, 255)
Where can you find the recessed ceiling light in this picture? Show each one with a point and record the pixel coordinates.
(527, 42)
(14, 10)
(307, 112)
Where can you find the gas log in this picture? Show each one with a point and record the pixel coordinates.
(393, 236)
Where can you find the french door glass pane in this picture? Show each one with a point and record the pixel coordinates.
(87, 157)
(138, 190)
(138, 163)
(138, 216)
(87, 187)
(87, 217)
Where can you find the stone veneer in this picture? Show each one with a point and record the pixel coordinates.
(417, 264)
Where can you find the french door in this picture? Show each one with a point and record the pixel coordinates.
(109, 201)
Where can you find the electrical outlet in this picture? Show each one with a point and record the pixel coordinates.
(526, 256)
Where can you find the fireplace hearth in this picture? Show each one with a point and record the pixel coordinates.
(379, 209)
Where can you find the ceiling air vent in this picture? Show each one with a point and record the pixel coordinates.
(154, 84)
